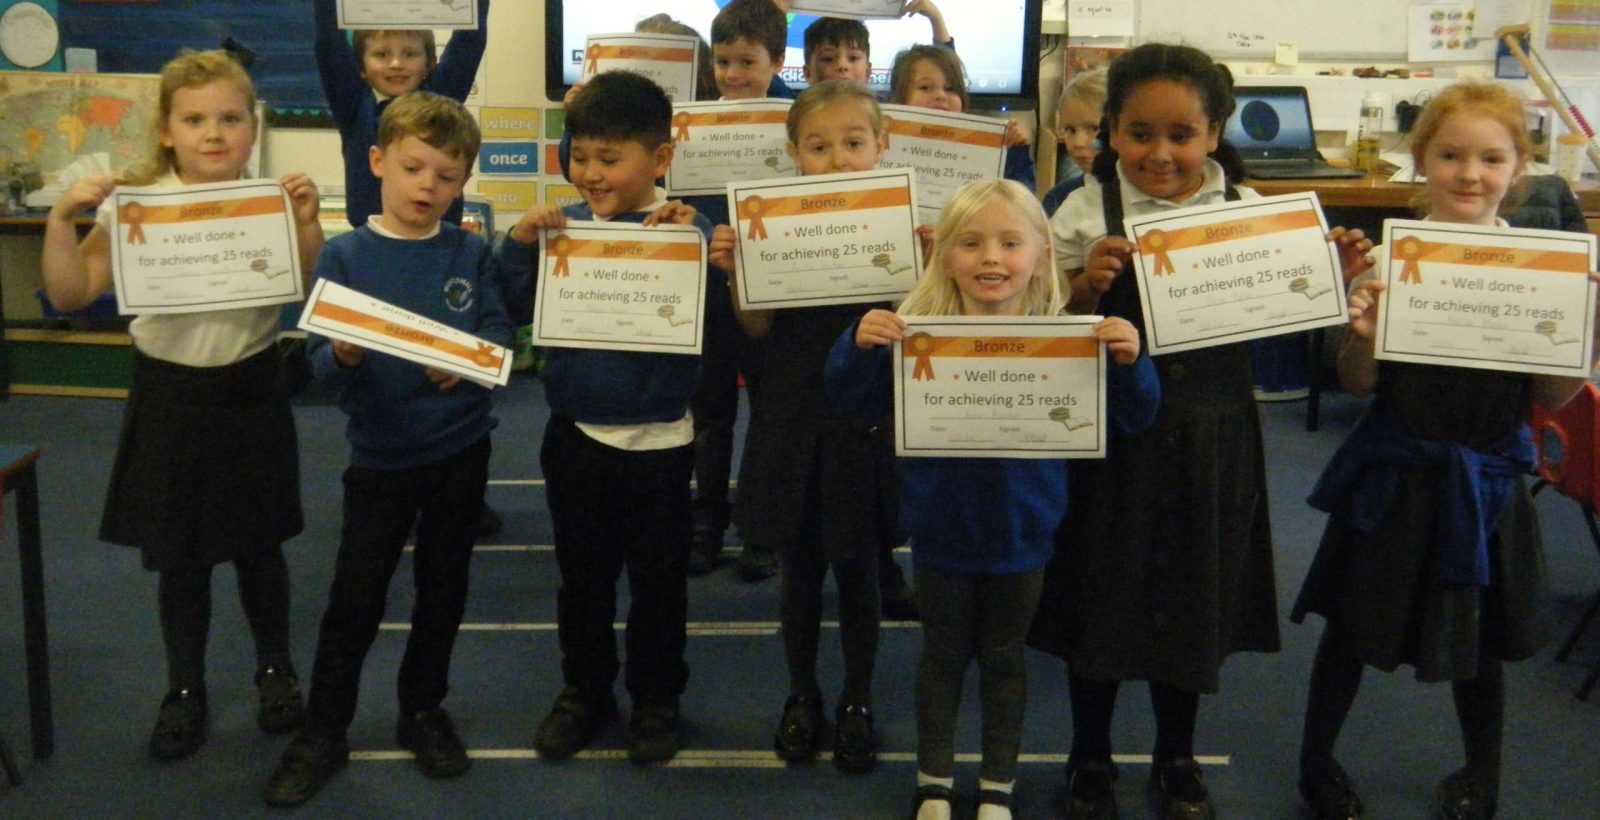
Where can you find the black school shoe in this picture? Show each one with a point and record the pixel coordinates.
(1463, 796)
(431, 736)
(573, 722)
(799, 734)
(756, 563)
(653, 732)
(855, 743)
(181, 725)
(306, 766)
(281, 707)
(705, 550)
(931, 791)
(1090, 793)
(1328, 794)
(1183, 790)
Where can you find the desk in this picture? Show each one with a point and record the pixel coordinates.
(19, 285)
(1376, 191)
(17, 474)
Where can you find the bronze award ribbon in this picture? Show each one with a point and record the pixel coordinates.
(593, 55)
(753, 206)
(920, 345)
(1155, 242)
(561, 247)
(133, 214)
(1410, 250)
(680, 121)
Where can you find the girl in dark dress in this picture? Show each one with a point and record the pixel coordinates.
(1395, 577)
(817, 485)
(1164, 567)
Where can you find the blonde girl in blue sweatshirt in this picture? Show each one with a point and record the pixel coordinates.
(982, 562)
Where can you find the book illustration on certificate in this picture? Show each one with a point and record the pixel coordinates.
(620, 286)
(408, 14)
(1235, 271)
(1487, 297)
(667, 59)
(346, 314)
(830, 239)
(854, 9)
(194, 248)
(946, 150)
(1000, 387)
(715, 143)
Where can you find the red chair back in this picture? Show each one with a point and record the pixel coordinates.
(1566, 442)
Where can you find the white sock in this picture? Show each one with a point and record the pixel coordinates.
(989, 811)
(934, 809)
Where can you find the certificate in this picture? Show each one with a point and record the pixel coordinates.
(1000, 387)
(408, 14)
(832, 239)
(348, 315)
(715, 143)
(946, 150)
(667, 59)
(620, 286)
(1486, 297)
(1235, 271)
(857, 9)
(216, 246)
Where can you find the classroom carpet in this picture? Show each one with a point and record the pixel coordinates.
(109, 676)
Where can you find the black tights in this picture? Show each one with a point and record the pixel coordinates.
(1336, 677)
(1093, 702)
(184, 599)
(803, 571)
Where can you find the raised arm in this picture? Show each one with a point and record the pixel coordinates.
(308, 229)
(458, 67)
(337, 64)
(76, 273)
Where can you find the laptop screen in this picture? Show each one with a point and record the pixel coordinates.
(1271, 122)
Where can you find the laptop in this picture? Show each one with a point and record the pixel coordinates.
(1271, 127)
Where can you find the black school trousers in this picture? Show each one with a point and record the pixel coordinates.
(442, 499)
(614, 510)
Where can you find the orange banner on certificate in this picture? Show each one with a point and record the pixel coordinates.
(135, 213)
(1158, 242)
(683, 122)
(1413, 251)
(925, 347)
(481, 354)
(945, 133)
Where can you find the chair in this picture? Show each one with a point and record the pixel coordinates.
(1566, 441)
(17, 474)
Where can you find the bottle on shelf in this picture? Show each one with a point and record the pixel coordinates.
(1368, 127)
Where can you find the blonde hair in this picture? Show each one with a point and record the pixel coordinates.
(1491, 100)
(1087, 87)
(824, 94)
(190, 69)
(937, 294)
(436, 120)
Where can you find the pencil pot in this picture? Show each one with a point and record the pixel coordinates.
(1281, 365)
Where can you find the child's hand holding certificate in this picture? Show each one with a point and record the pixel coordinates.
(992, 387)
(826, 240)
(1235, 271)
(205, 247)
(1485, 297)
(619, 286)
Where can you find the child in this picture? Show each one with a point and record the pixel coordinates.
(933, 77)
(837, 48)
(748, 41)
(207, 470)
(619, 428)
(981, 528)
(1132, 595)
(818, 486)
(1383, 575)
(1078, 126)
(419, 442)
(363, 74)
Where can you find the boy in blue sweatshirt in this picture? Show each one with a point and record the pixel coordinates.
(419, 445)
(618, 449)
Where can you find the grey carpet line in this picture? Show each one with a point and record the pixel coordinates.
(757, 759)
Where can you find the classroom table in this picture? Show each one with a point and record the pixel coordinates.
(28, 223)
(18, 475)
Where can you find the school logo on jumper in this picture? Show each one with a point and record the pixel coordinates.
(458, 294)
